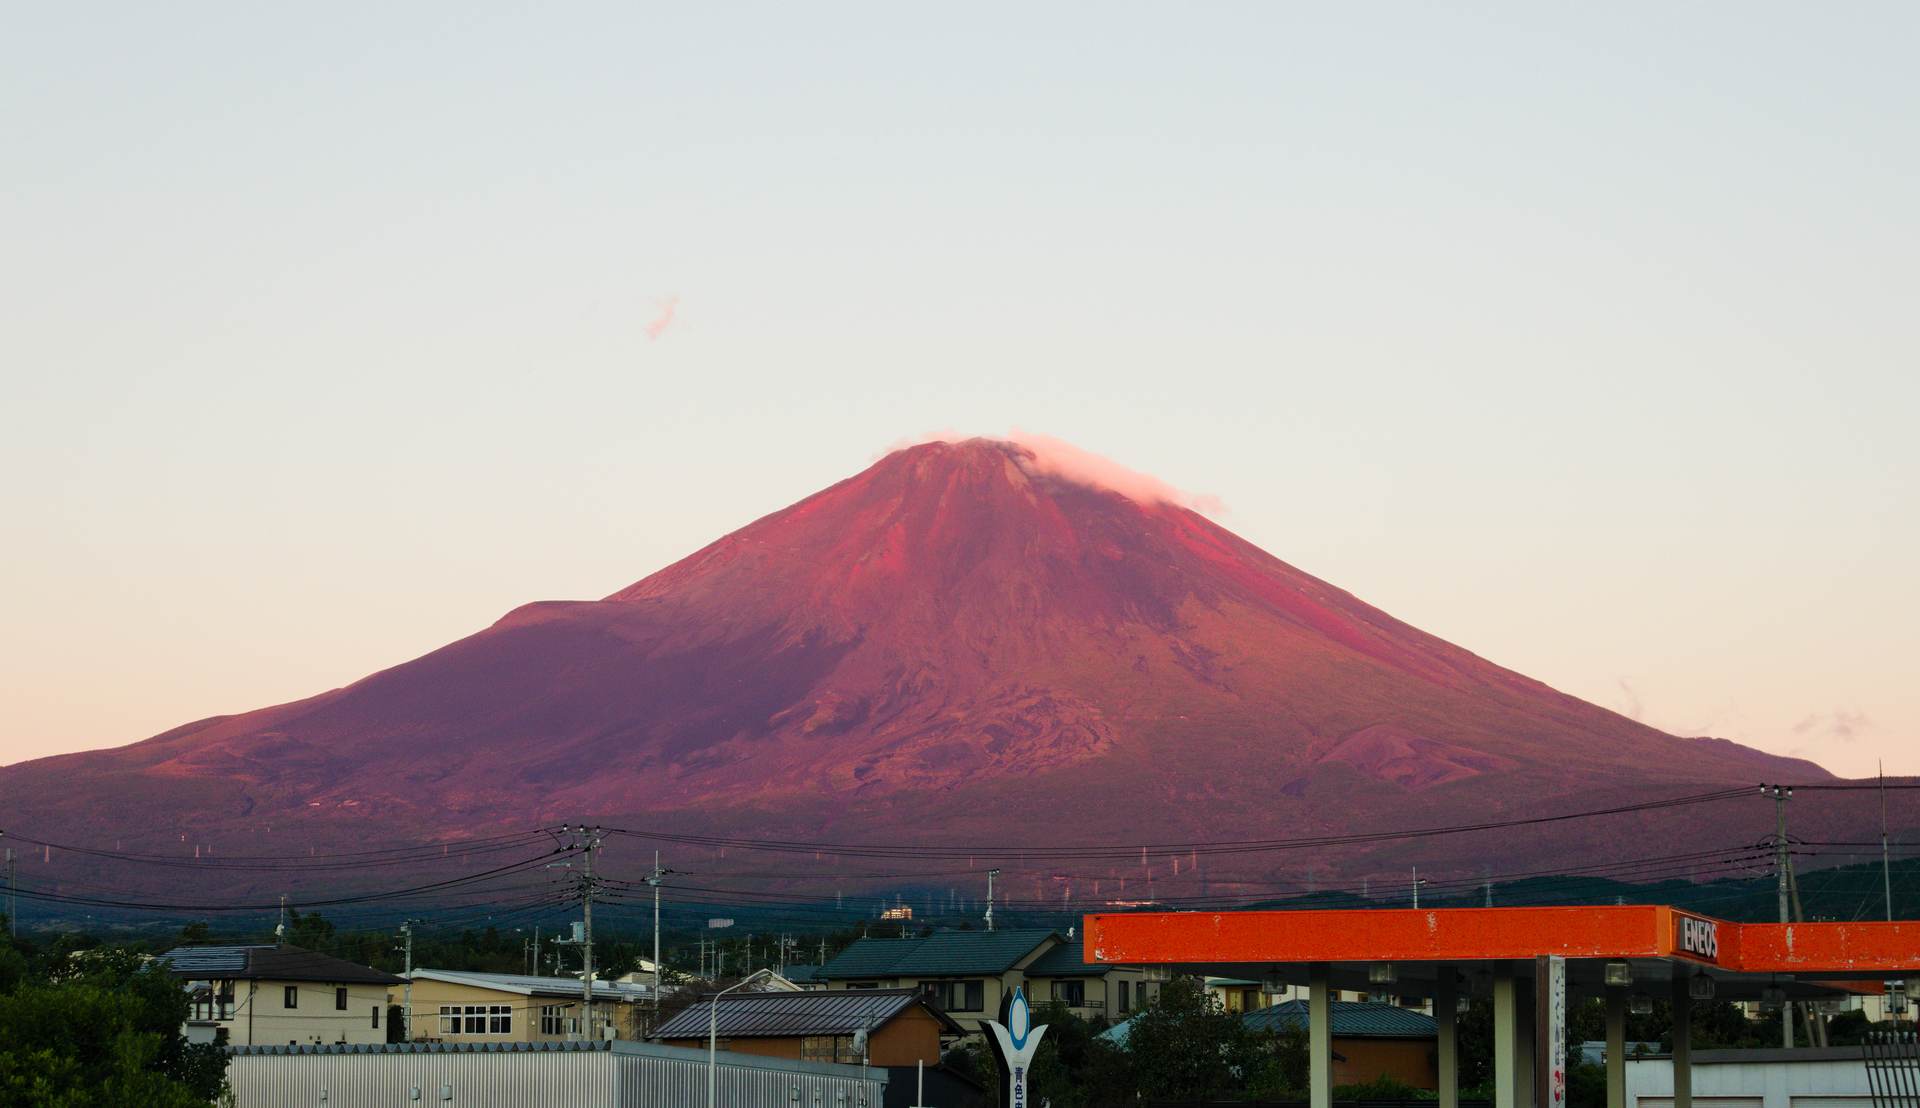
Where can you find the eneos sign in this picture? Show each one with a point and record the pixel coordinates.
(1696, 937)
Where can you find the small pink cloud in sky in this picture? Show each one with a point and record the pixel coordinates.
(665, 319)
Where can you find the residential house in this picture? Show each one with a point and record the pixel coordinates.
(454, 1006)
(902, 1027)
(276, 993)
(1371, 1040)
(805, 977)
(967, 973)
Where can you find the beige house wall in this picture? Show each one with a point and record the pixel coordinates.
(524, 1014)
(261, 1017)
(1102, 994)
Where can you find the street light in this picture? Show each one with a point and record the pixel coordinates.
(713, 1029)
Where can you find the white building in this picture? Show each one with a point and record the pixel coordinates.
(1811, 1077)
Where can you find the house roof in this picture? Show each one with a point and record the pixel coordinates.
(526, 985)
(1351, 1020)
(941, 954)
(1066, 960)
(786, 1015)
(269, 962)
(802, 975)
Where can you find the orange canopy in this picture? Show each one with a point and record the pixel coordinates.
(1484, 934)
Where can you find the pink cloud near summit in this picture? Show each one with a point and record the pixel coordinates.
(1053, 457)
(1068, 462)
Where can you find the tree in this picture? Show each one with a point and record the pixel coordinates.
(1075, 1067)
(313, 930)
(1186, 1045)
(106, 1031)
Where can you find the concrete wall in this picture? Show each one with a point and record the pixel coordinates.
(1831, 1078)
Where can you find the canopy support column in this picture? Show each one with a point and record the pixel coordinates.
(1527, 1012)
(1616, 1047)
(1682, 1040)
(1319, 1037)
(1506, 1085)
(1446, 1012)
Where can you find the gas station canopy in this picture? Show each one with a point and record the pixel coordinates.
(1743, 958)
(1528, 960)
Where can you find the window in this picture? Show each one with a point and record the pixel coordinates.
(476, 1019)
(340, 999)
(1071, 993)
(292, 997)
(553, 1020)
(209, 1005)
(826, 1048)
(1124, 1005)
(958, 996)
(376, 1017)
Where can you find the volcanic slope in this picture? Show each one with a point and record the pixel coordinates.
(958, 644)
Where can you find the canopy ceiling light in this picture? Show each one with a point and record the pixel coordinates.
(1381, 973)
(1700, 986)
(1619, 974)
(1641, 1005)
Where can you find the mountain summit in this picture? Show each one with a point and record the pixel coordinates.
(964, 640)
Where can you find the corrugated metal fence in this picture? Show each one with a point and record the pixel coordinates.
(524, 1075)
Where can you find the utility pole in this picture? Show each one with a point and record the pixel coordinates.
(654, 880)
(536, 950)
(592, 842)
(1780, 793)
(1416, 888)
(406, 931)
(1886, 867)
(991, 874)
(1816, 1029)
(280, 931)
(13, 902)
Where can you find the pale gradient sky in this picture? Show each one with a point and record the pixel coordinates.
(1582, 336)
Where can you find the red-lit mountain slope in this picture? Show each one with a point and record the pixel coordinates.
(954, 645)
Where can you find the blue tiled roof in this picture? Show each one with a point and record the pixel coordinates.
(1351, 1020)
(941, 954)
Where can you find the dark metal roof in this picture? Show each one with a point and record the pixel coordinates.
(1351, 1020)
(1067, 960)
(784, 1015)
(263, 962)
(941, 954)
